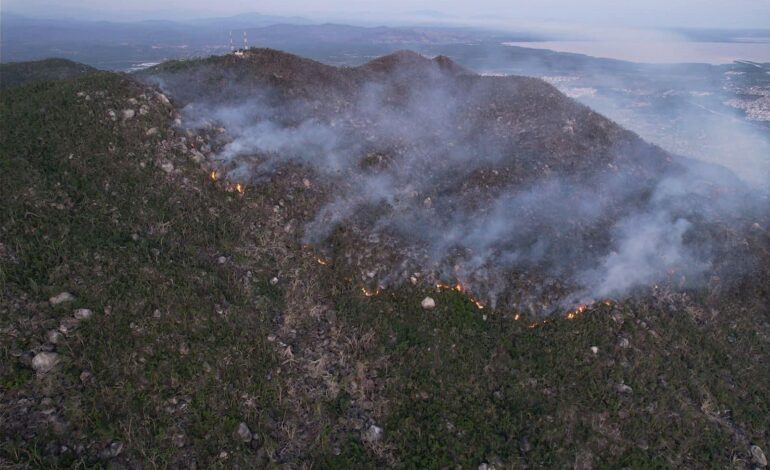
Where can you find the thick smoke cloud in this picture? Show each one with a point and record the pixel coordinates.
(422, 167)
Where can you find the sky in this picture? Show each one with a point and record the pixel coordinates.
(637, 13)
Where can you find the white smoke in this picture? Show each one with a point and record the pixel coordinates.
(420, 152)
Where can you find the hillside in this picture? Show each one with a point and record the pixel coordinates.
(18, 73)
(217, 333)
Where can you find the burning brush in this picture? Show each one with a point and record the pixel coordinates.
(371, 292)
(458, 287)
(230, 187)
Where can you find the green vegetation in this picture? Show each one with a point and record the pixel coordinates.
(18, 73)
(177, 339)
(462, 389)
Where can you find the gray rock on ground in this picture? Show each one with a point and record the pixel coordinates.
(44, 361)
(54, 336)
(243, 433)
(61, 298)
(83, 314)
(758, 457)
(623, 388)
(373, 434)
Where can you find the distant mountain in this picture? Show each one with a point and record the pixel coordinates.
(345, 34)
(120, 45)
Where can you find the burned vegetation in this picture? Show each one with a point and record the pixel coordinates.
(425, 172)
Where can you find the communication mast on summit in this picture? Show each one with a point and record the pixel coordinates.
(239, 52)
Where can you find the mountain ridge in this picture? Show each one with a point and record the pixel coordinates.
(202, 330)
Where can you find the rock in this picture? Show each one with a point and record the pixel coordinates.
(128, 113)
(758, 457)
(144, 109)
(86, 377)
(373, 433)
(151, 131)
(132, 101)
(623, 388)
(594, 350)
(61, 298)
(68, 325)
(83, 314)
(163, 99)
(111, 114)
(222, 260)
(306, 183)
(427, 203)
(243, 433)
(112, 450)
(428, 303)
(54, 337)
(168, 167)
(624, 343)
(273, 281)
(44, 361)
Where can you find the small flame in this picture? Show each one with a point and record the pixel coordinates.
(214, 175)
(322, 261)
(577, 311)
(457, 287)
(371, 293)
(239, 188)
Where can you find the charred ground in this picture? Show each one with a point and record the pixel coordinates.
(211, 308)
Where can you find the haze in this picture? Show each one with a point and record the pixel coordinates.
(657, 13)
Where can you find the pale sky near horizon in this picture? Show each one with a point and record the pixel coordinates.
(619, 13)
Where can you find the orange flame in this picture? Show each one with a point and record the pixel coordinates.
(239, 188)
(461, 289)
(214, 175)
(576, 312)
(322, 261)
(371, 293)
